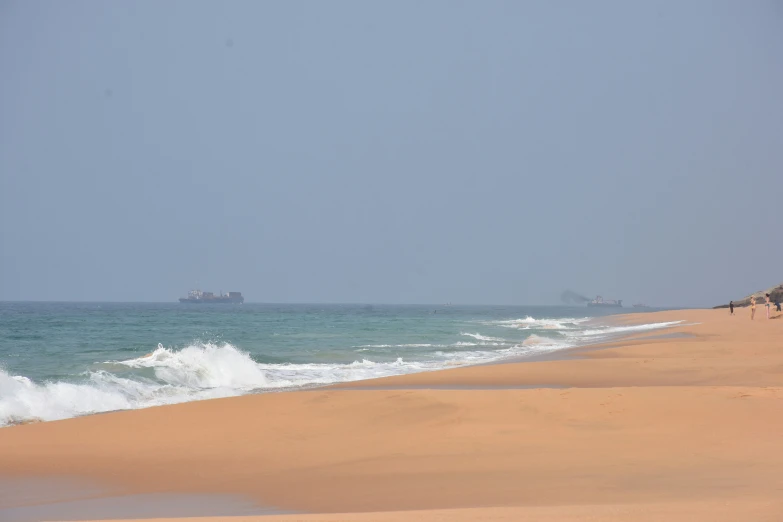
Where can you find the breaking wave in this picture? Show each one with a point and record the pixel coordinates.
(480, 337)
(168, 376)
(607, 331)
(529, 323)
(207, 370)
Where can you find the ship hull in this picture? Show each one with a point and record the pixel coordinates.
(604, 305)
(214, 300)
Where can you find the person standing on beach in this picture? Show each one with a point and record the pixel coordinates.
(752, 307)
(731, 307)
(767, 304)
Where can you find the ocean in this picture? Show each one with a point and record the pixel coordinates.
(60, 360)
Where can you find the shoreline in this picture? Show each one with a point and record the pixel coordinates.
(676, 423)
(559, 353)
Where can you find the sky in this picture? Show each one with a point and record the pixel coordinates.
(477, 152)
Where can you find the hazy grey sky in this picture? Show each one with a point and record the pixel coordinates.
(397, 151)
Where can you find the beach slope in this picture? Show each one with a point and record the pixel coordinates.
(682, 427)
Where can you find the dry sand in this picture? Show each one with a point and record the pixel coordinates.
(675, 428)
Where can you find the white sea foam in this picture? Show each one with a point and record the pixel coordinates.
(533, 345)
(193, 373)
(207, 370)
(204, 366)
(480, 337)
(413, 345)
(614, 330)
(540, 324)
(21, 399)
(367, 347)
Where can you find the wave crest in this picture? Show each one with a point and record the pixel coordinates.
(207, 370)
(205, 366)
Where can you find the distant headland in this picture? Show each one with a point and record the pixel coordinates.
(775, 295)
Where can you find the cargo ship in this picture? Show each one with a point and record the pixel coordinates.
(197, 296)
(606, 303)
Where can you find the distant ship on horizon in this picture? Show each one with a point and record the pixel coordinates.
(606, 303)
(197, 296)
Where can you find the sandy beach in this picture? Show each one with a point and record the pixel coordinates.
(681, 424)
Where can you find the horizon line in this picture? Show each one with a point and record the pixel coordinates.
(356, 303)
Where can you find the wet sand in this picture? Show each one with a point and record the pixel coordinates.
(675, 427)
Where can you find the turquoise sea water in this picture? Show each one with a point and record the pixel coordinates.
(59, 360)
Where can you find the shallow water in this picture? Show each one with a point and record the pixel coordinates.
(60, 360)
(32, 499)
